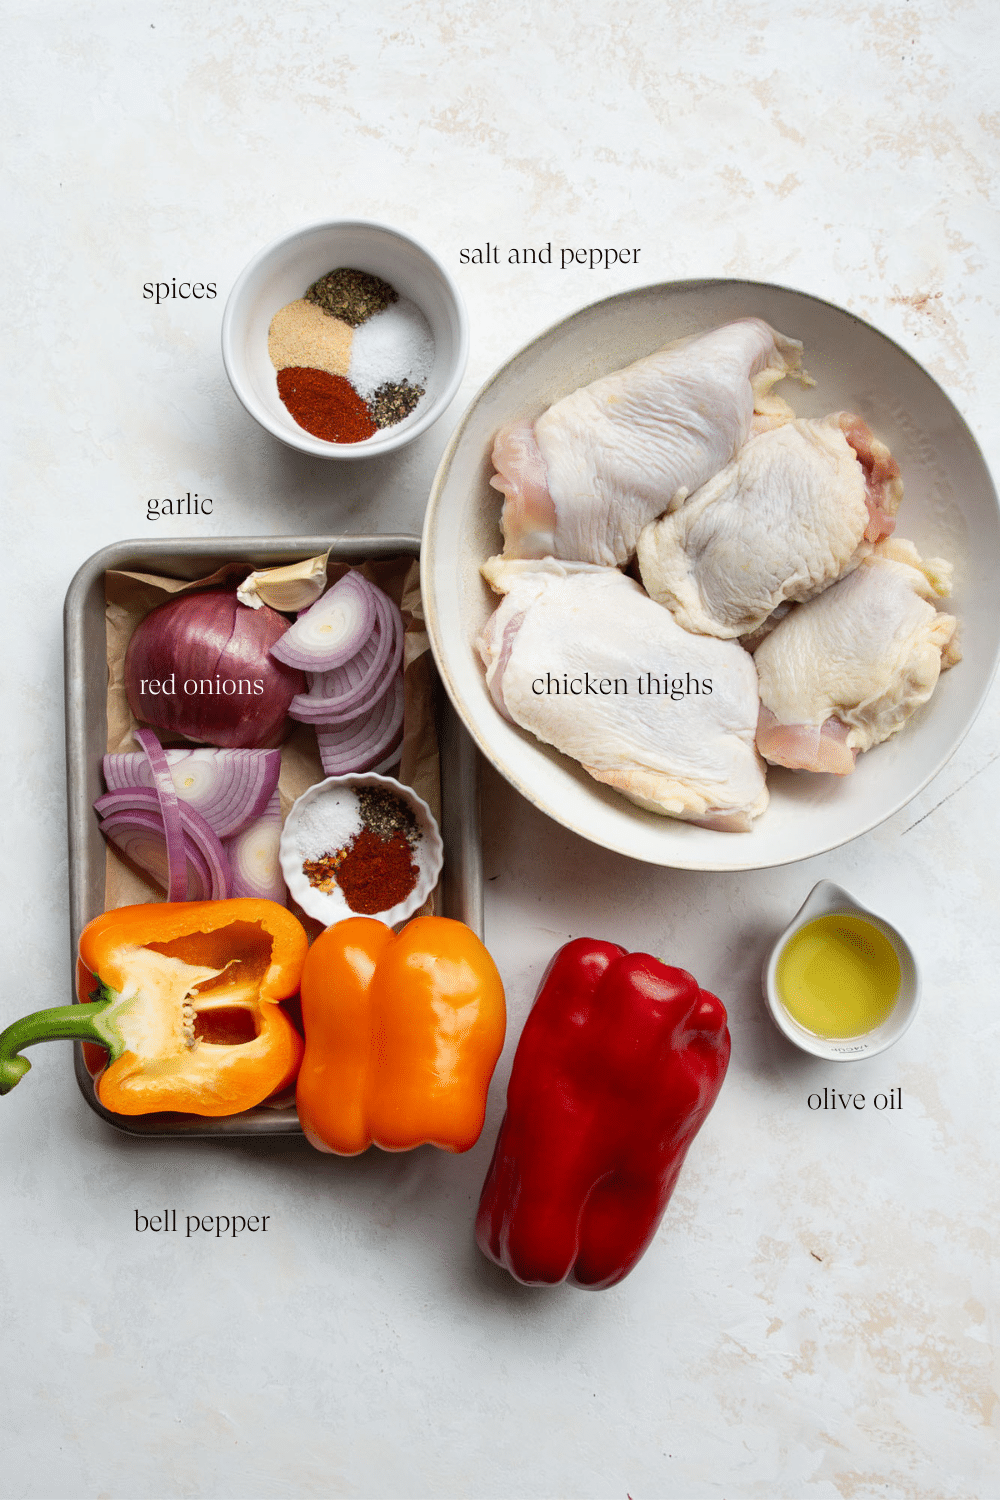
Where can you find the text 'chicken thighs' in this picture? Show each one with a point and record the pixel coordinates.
(584, 479)
(798, 507)
(585, 661)
(846, 670)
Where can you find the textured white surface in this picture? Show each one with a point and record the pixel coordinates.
(817, 1316)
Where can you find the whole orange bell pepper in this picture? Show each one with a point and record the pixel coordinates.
(402, 1036)
(184, 1000)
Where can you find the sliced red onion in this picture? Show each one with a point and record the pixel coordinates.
(385, 657)
(358, 733)
(139, 837)
(333, 699)
(358, 745)
(170, 810)
(325, 710)
(230, 788)
(253, 856)
(349, 676)
(133, 821)
(390, 760)
(333, 629)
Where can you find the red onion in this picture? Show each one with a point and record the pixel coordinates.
(170, 811)
(350, 643)
(344, 692)
(333, 629)
(132, 820)
(201, 666)
(253, 856)
(360, 743)
(165, 836)
(138, 835)
(392, 758)
(230, 788)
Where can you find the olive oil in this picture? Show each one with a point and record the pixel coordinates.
(838, 976)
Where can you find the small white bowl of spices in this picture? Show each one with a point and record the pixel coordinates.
(346, 339)
(360, 845)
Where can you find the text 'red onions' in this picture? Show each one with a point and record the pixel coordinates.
(200, 665)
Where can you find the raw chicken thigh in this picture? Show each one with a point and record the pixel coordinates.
(799, 506)
(585, 478)
(581, 657)
(845, 671)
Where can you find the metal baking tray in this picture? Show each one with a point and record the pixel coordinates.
(86, 741)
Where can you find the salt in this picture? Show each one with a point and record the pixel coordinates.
(327, 822)
(393, 346)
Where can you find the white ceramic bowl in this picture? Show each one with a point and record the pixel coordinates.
(331, 906)
(949, 509)
(824, 900)
(283, 271)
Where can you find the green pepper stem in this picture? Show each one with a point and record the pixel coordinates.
(80, 1023)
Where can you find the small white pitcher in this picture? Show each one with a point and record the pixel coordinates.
(824, 900)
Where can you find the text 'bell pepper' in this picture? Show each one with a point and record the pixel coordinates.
(402, 1036)
(620, 1061)
(184, 997)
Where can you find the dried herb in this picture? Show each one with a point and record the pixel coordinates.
(391, 403)
(354, 296)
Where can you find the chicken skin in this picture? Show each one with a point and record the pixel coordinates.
(582, 481)
(797, 508)
(845, 671)
(581, 658)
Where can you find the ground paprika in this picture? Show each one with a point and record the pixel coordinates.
(375, 874)
(326, 405)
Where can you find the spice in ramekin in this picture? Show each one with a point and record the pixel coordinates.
(392, 347)
(391, 403)
(374, 865)
(379, 346)
(376, 874)
(302, 335)
(351, 295)
(385, 813)
(326, 405)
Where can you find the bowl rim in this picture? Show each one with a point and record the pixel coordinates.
(429, 554)
(388, 438)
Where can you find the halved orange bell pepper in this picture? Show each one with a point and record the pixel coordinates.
(402, 1036)
(186, 1004)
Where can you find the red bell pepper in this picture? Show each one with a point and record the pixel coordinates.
(620, 1061)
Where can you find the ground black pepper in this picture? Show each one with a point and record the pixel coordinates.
(385, 813)
(391, 403)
